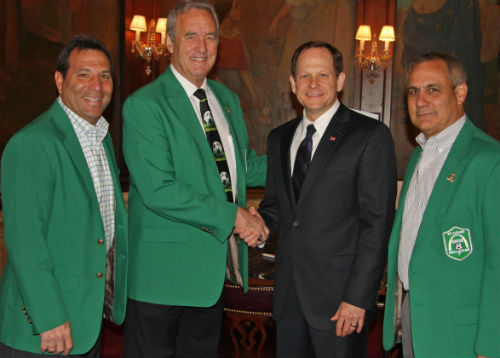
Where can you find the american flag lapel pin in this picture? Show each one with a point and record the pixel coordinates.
(451, 178)
(333, 139)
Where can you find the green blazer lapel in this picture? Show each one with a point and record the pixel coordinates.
(444, 186)
(115, 174)
(180, 104)
(182, 108)
(396, 228)
(412, 164)
(72, 145)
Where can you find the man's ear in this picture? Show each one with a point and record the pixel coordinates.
(340, 81)
(59, 78)
(461, 92)
(293, 85)
(170, 45)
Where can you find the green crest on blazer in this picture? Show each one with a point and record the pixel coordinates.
(457, 243)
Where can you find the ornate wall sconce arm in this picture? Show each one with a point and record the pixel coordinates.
(149, 50)
(371, 60)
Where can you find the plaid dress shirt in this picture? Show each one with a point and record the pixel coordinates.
(90, 138)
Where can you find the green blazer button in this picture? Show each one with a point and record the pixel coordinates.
(99, 275)
(100, 242)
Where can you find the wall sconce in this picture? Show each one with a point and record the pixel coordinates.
(372, 61)
(149, 50)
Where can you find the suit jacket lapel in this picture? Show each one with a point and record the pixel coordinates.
(72, 145)
(330, 141)
(286, 142)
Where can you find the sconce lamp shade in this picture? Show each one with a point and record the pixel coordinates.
(161, 25)
(387, 34)
(364, 33)
(138, 23)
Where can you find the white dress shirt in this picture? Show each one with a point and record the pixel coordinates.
(320, 125)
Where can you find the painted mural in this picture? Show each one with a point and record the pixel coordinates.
(258, 38)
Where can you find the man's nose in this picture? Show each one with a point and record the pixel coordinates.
(96, 83)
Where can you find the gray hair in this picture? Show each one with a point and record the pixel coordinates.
(456, 70)
(184, 6)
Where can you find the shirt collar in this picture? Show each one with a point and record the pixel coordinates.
(187, 85)
(445, 138)
(322, 121)
(99, 131)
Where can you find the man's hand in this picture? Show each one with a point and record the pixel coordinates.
(57, 340)
(250, 226)
(349, 319)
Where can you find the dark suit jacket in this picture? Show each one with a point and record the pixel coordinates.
(333, 240)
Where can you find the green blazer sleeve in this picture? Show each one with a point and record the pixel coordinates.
(25, 227)
(489, 309)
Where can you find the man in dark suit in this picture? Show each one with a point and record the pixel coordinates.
(330, 194)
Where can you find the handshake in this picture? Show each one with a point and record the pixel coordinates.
(250, 226)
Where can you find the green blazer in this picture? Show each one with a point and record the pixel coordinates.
(454, 270)
(180, 219)
(53, 228)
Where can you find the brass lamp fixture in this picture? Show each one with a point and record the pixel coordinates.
(150, 49)
(371, 60)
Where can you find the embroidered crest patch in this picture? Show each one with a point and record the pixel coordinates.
(457, 243)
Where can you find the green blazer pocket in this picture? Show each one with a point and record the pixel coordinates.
(466, 315)
(165, 234)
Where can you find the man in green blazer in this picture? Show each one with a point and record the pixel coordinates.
(187, 194)
(65, 217)
(444, 246)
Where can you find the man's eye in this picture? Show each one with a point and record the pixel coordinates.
(83, 75)
(412, 91)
